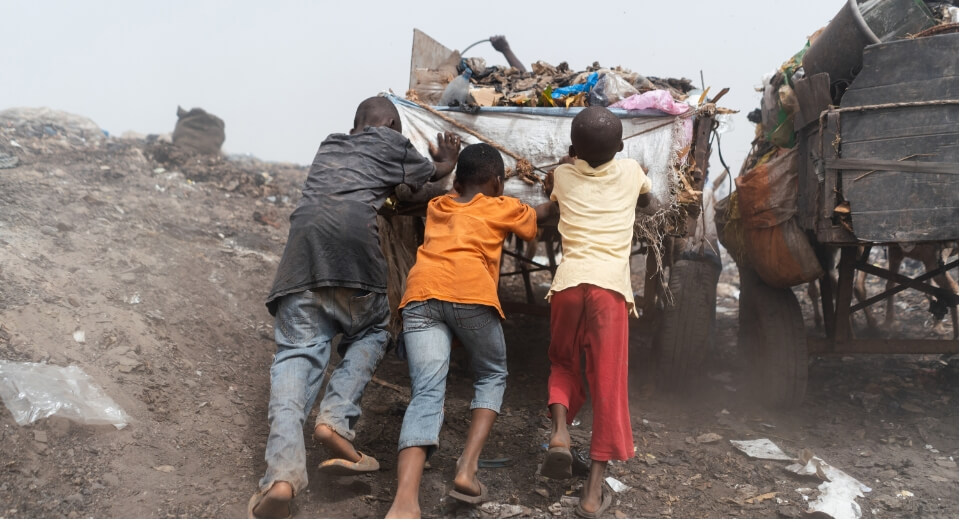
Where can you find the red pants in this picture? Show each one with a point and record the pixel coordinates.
(587, 318)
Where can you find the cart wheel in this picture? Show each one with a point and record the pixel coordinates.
(773, 339)
(687, 325)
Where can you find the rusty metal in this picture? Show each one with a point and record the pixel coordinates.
(943, 294)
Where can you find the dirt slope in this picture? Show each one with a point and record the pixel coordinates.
(163, 261)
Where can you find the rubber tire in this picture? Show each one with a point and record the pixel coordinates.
(773, 339)
(687, 326)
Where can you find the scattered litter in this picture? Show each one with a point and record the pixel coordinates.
(33, 391)
(768, 426)
(838, 491)
(542, 492)
(159, 170)
(761, 449)
(569, 501)
(724, 412)
(760, 498)
(931, 448)
(576, 422)
(616, 485)
(724, 377)
(555, 509)
(904, 494)
(166, 468)
(493, 463)
(707, 438)
(513, 510)
(79, 336)
(40, 436)
(8, 161)
(134, 299)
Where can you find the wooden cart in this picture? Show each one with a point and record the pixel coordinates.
(682, 311)
(879, 169)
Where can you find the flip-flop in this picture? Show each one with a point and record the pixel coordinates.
(255, 501)
(606, 498)
(558, 463)
(472, 500)
(344, 468)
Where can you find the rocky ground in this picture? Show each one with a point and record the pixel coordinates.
(162, 261)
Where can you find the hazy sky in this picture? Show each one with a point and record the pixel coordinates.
(284, 74)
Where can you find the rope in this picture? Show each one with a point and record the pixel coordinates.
(890, 106)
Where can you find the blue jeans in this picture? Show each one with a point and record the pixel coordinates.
(305, 325)
(428, 329)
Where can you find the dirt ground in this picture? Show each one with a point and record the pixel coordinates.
(163, 262)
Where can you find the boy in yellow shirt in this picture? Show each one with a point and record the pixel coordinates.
(590, 299)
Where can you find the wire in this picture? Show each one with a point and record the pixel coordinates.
(463, 52)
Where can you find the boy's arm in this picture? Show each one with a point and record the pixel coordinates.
(550, 209)
(645, 186)
(546, 211)
(445, 154)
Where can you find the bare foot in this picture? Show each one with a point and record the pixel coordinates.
(339, 447)
(403, 511)
(465, 480)
(276, 503)
(559, 436)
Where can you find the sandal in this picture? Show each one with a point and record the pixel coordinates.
(606, 498)
(255, 501)
(473, 500)
(558, 463)
(344, 468)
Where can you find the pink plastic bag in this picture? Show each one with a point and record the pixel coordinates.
(659, 99)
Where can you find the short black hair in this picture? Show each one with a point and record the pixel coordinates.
(478, 164)
(375, 111)
(596, 134)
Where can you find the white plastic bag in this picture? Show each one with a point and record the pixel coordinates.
(33, 391)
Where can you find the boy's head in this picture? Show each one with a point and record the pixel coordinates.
(479, 166)
(596, 134)
(376, 111)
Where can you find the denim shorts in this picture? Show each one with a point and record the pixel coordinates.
(428, 331)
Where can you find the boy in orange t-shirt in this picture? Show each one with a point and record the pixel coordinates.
(452, 292)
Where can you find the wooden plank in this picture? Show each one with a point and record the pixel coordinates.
(898, 168)
(898, 226)
(943, 145)
(848, 256)
(813, 97)
(921, 167)
(898, 122)
(907, 60)
(829, 150)
(807, 181)
(934, 89)
(427, 53)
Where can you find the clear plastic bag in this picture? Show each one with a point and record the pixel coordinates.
(610, 89)
(33, 391)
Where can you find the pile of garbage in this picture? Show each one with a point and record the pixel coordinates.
(545, 86)
(192, 152)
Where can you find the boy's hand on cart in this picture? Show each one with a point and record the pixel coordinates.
(445, 153)
(548, 182)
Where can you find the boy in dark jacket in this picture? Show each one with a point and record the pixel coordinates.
(332, 280)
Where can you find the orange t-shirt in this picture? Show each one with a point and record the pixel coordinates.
(459, 260)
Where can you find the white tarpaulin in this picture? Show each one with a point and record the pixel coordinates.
(541, 135)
